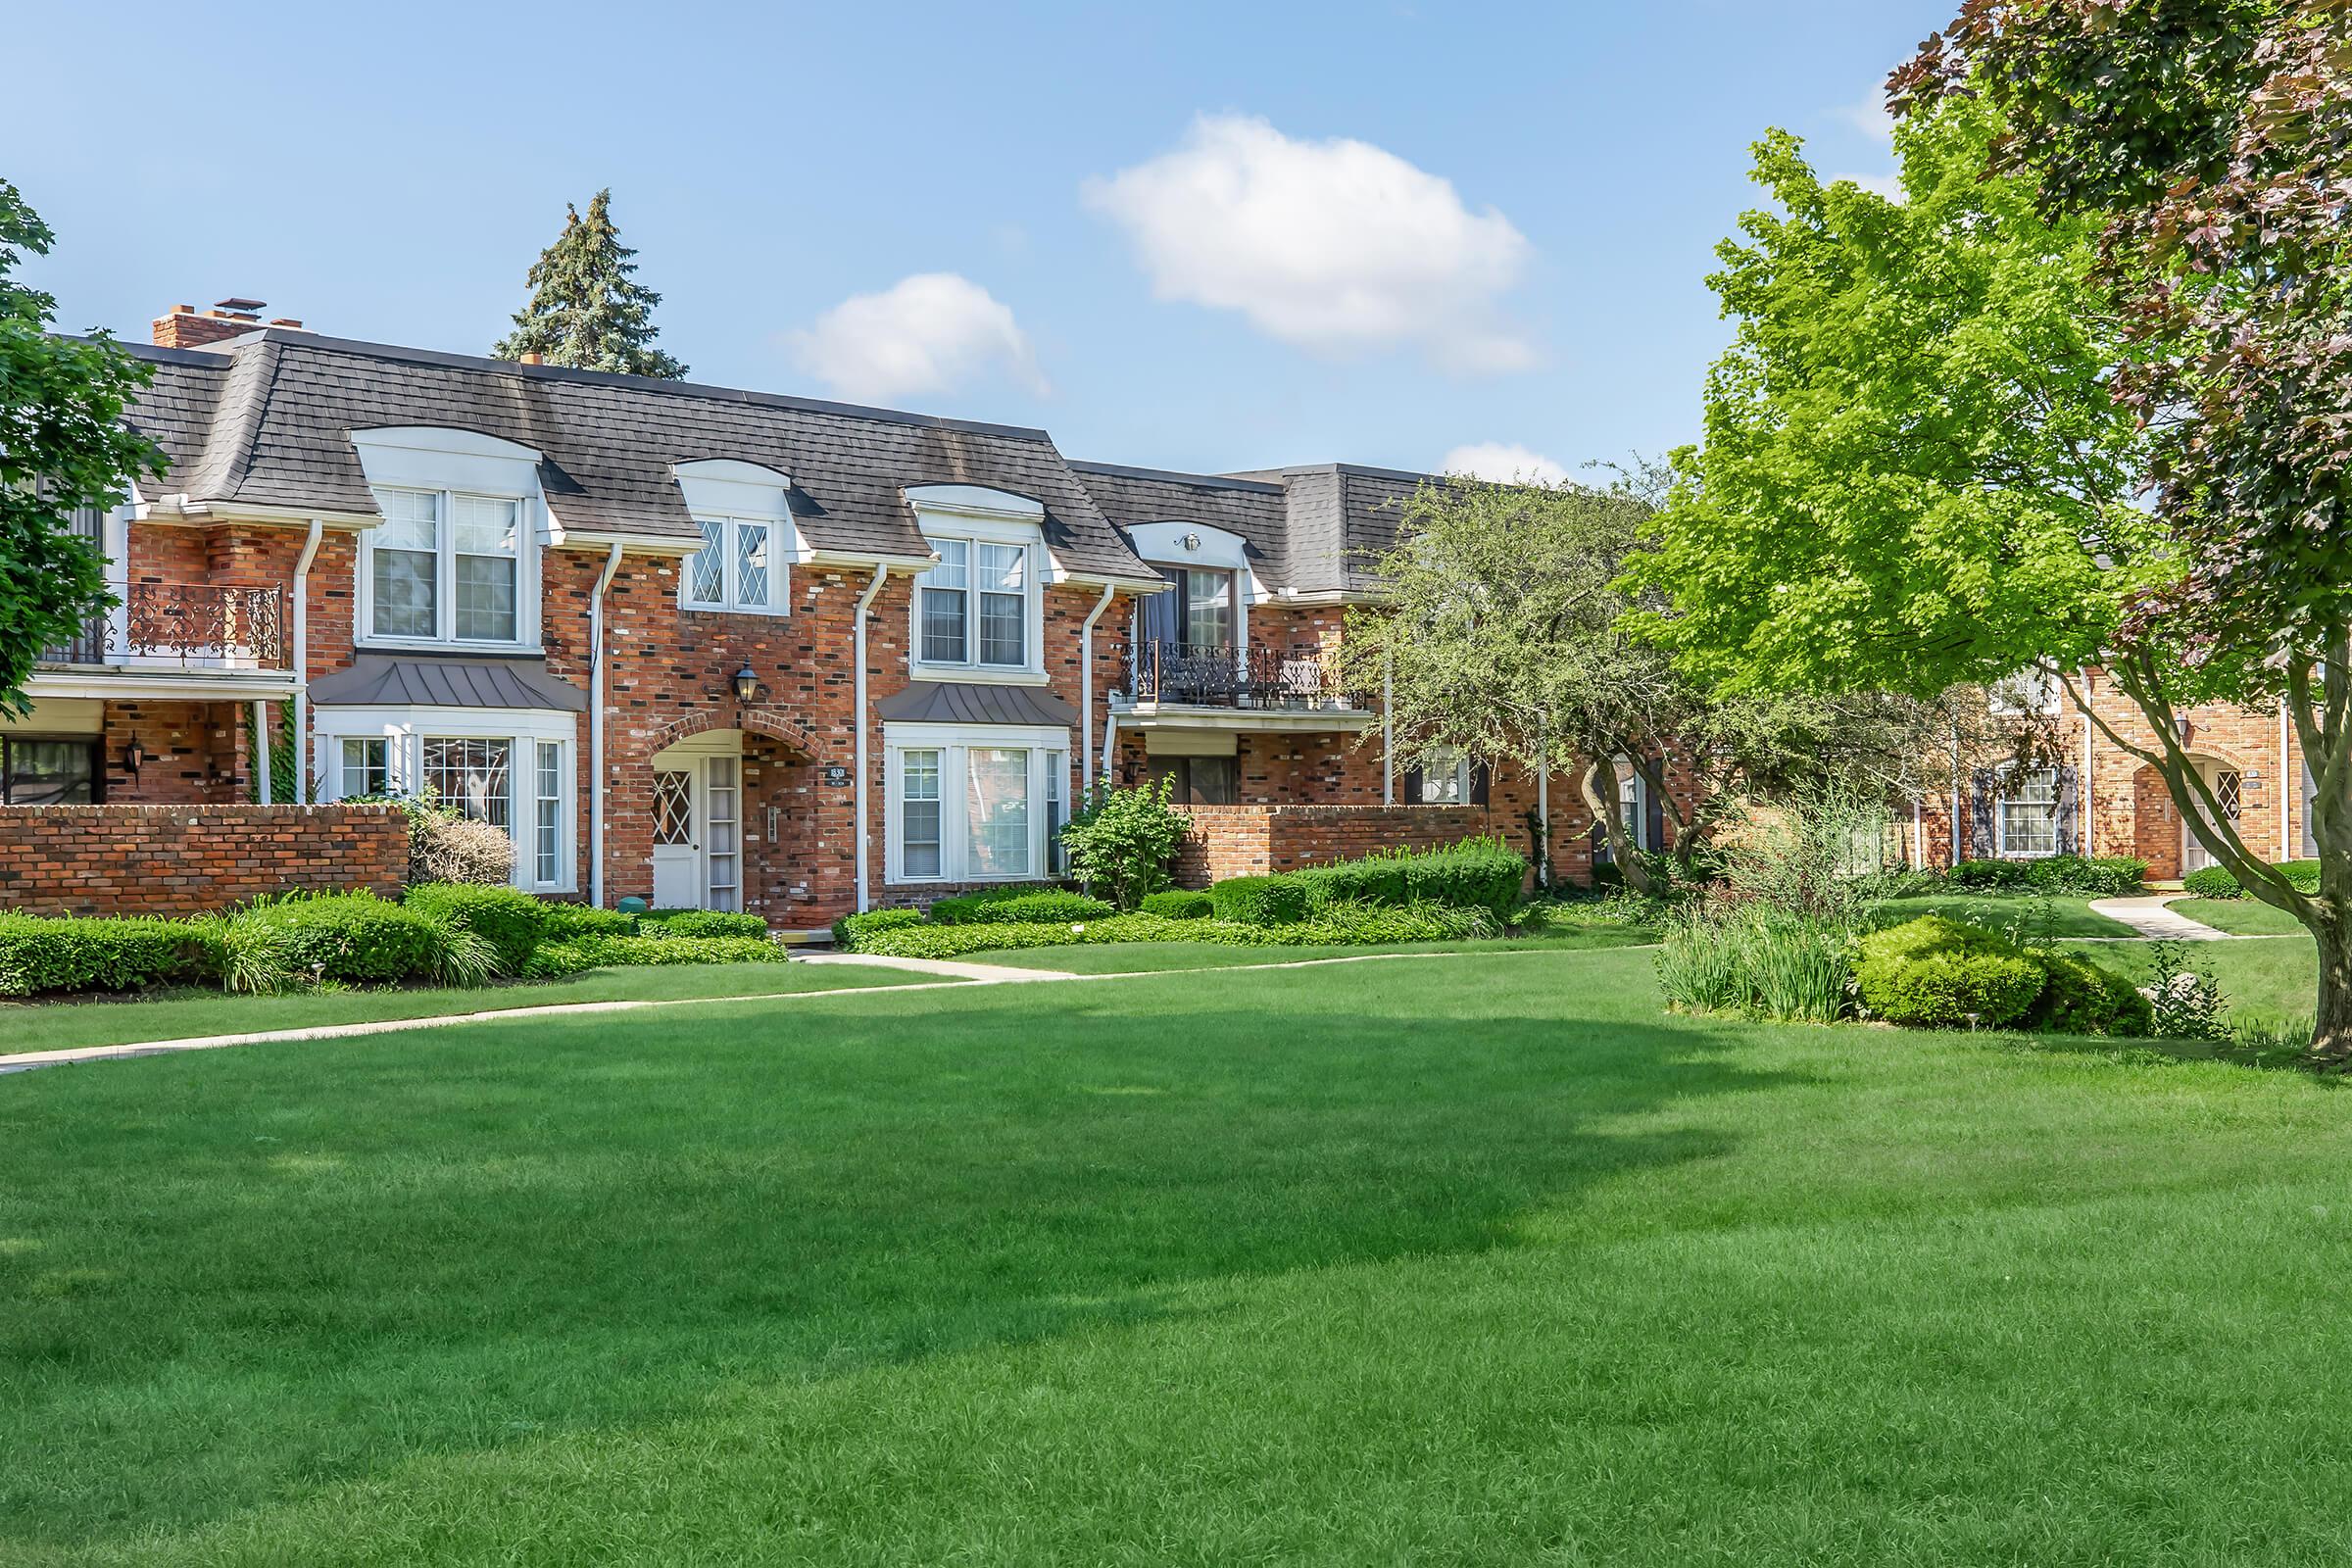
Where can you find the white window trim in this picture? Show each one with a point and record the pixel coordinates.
(529, 524)
(404, 731)
(975, 529)
(2000, 813)
(730, 602)
(1049, 747)
(1461, 768)
(1164, 548)
(2031, 693)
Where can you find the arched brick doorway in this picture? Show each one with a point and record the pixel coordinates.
(2160, 835)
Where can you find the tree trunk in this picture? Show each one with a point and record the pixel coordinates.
(1606, 808)
(2331, 1033)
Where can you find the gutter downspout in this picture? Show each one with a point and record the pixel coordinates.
(2288, 789)
(1957, 853)
(2084, 798)
(866, 602)
(1388, 750)
(1085, 681)
(301, 660)
(596, 727)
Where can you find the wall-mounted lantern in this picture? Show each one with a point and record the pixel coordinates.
(134, 757)
(746, 685)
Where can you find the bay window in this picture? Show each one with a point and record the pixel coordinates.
(446, 565)
(974, 804)
(512, 768)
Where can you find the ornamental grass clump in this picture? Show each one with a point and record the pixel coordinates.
(1754, 960)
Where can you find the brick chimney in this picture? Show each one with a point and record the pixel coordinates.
(184, 327)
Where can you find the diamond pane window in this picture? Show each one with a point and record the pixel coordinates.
(2228, 790)
(673, 806)
(751, 563)
(706, 573)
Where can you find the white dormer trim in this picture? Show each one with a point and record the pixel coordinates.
(733, 501)
(975, 501)
(449, 462)
(735, 488)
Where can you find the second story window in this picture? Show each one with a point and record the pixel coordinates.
(446, 567)
(973, 607)
(736, 567)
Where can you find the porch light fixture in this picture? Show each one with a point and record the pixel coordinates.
(746, 685)
(2185, 730)
(134, 757)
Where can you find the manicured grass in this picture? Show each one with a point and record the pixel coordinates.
(1467, 1260)
(2032, 919)
(178, 1015)
(2246, 917)
(2268, 985)
(1132, 958)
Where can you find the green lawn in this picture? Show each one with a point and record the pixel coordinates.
(2249, 917)
(2032, 919)
(1467, 1260)
(178, 1015)
(2268, 985)
(1129, 957)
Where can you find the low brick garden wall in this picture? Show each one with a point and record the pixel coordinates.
(1256, 840)
(192, 859)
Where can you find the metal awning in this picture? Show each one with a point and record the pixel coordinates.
(425, 681)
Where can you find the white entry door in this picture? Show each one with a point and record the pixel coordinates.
(2227, 786)
(677, 838)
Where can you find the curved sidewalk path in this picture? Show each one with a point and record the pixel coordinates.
(946, 974)
(2148, 915)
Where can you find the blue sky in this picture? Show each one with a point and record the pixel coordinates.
(1201, 236)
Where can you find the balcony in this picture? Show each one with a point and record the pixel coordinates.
(1221, 686)
(183, 625)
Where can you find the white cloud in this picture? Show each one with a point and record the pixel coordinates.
(1869, 117)
(931, 332)
(1336, 246)
(1504, 462)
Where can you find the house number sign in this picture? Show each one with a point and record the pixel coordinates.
(837, 776)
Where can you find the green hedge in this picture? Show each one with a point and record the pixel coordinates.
(704, 923)
(2103, 876)
(1180, 904)
(1343, 925)
(510, 921)
(2217, 882)
(556, 959)
(565, 922)
(1029, 905)
(355, 938)
(38, 955)
(1939, 974)
(1261, 900)
(1476, 873)
(851, 930)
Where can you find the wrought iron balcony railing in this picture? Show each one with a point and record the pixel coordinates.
(189, 625)
(1222, 675)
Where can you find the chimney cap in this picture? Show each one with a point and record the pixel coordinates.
(236, 302)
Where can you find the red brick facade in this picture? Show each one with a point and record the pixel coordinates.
(182, 859)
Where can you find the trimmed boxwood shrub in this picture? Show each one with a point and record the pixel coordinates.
(2217, 882)
(2078, 997)
(1261, 900)
(562, 922)
(704, 923)
(510, 921)
(356, 938)
(1476, 873)
(1180, 904)
(556, 959)
(1351, 924)
(1940, 974)
(38, 955)
(851, 930)
(2101, 876)
(1031, 906)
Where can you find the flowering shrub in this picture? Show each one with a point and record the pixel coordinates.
(2186, 1003)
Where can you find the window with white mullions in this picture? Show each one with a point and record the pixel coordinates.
(547, 813)
(735, 568)
(2027, 814)
(446, 567)
(405, 553)
(997, 799)
(487, 538)
(470, 776)
(2228, 792)
(974, 605)
(945, 598)
(921, 844)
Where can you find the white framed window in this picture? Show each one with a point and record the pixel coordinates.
(976, 608)
(2031, 693)
(510, 767)
(448, 566)
(2025, 816)
(740, 567)
(974, 802)
(547, 813)
(1446, 777)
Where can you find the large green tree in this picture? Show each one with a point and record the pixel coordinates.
(1499, 627)
(587, 308)
(62, 445)
(1927, 455)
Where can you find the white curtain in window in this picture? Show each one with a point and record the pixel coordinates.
(996, 807)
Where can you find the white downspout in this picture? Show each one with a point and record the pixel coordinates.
(1918, 834)
(1956, 787)
(2288, 789)
(1086, 679)
(261, 746)
(866, 602)
(301, 660)
(596, 727)
(1388, 750)
(2084, 798)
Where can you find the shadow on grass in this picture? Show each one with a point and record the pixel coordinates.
(226, 1280)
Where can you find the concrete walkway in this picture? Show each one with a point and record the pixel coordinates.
(987, 974)
(2148, 915)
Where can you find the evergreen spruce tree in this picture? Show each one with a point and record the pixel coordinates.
(586, 310)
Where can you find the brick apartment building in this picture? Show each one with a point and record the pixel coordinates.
(720, 648)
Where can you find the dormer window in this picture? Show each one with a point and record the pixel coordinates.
(745, 513)
(735, 569)
(446, 565)
(978, 607)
